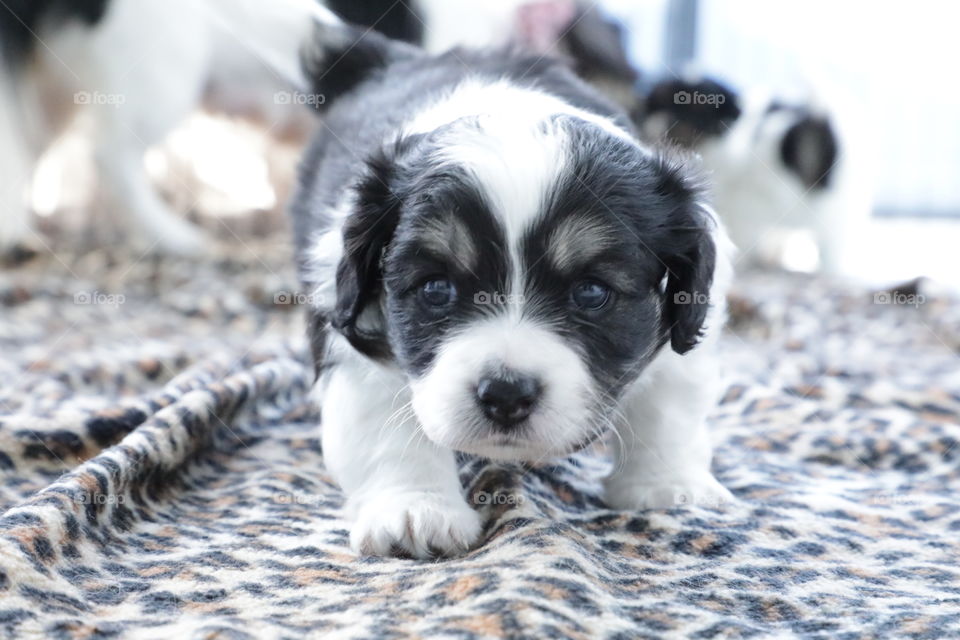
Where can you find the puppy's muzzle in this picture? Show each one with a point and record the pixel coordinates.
(508, 399)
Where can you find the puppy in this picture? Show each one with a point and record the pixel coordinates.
(496, 266)
(140, 68)
(775, 167)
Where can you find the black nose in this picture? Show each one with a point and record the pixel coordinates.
(507, 399)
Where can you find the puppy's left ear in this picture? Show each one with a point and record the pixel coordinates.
(366, 234)
(691, 262)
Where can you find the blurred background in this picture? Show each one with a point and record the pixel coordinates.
(829, 130)
(883, 66)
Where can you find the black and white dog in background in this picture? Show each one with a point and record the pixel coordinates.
(774, 166)
(138, 68)
(497, 267)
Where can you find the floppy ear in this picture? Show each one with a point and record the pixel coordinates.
(366, 234)
(691, 257)
(689, 278)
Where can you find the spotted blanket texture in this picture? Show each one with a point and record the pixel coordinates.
(163, 478)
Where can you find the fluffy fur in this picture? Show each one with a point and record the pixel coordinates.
(498, 267)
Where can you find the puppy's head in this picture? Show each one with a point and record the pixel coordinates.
(688, 112)
(522, 275)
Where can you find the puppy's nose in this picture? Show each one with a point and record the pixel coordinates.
(508, 399)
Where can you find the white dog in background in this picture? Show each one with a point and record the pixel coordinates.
(139, 68)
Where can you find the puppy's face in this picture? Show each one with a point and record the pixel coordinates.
(522, 277)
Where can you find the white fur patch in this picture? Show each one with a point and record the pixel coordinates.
(444, 399)
(507, 102)
(515, 164)
(324, 257)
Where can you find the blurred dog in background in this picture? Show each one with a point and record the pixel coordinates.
(775, 166)
(140, 68)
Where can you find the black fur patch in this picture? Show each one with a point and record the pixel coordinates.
(21, 21)
(396, 20)
(810, 150)
(336, 70)
(359, 275)
(415, 331)
(694, 109)
(597, 45)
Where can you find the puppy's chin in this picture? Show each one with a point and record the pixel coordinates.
(508, 448)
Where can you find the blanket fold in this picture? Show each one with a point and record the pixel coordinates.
(163, 478)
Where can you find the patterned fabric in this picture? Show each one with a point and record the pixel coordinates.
(163, 478)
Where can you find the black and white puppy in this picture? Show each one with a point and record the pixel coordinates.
(497, 267)
(775, 166)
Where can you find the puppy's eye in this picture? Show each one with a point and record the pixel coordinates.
(438, 293)
(590, 295)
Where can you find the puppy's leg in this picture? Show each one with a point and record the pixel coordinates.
(138, 98)
(663, 456)
(155, 227)
(403, 491)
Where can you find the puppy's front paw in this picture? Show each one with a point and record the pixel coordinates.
(701, 490)
(419, 524)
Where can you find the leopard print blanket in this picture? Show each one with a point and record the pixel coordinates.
(163, 478)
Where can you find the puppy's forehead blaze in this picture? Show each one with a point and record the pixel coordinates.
(575, 240)
(451, 237)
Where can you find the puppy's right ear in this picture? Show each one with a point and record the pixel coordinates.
(366, 234)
